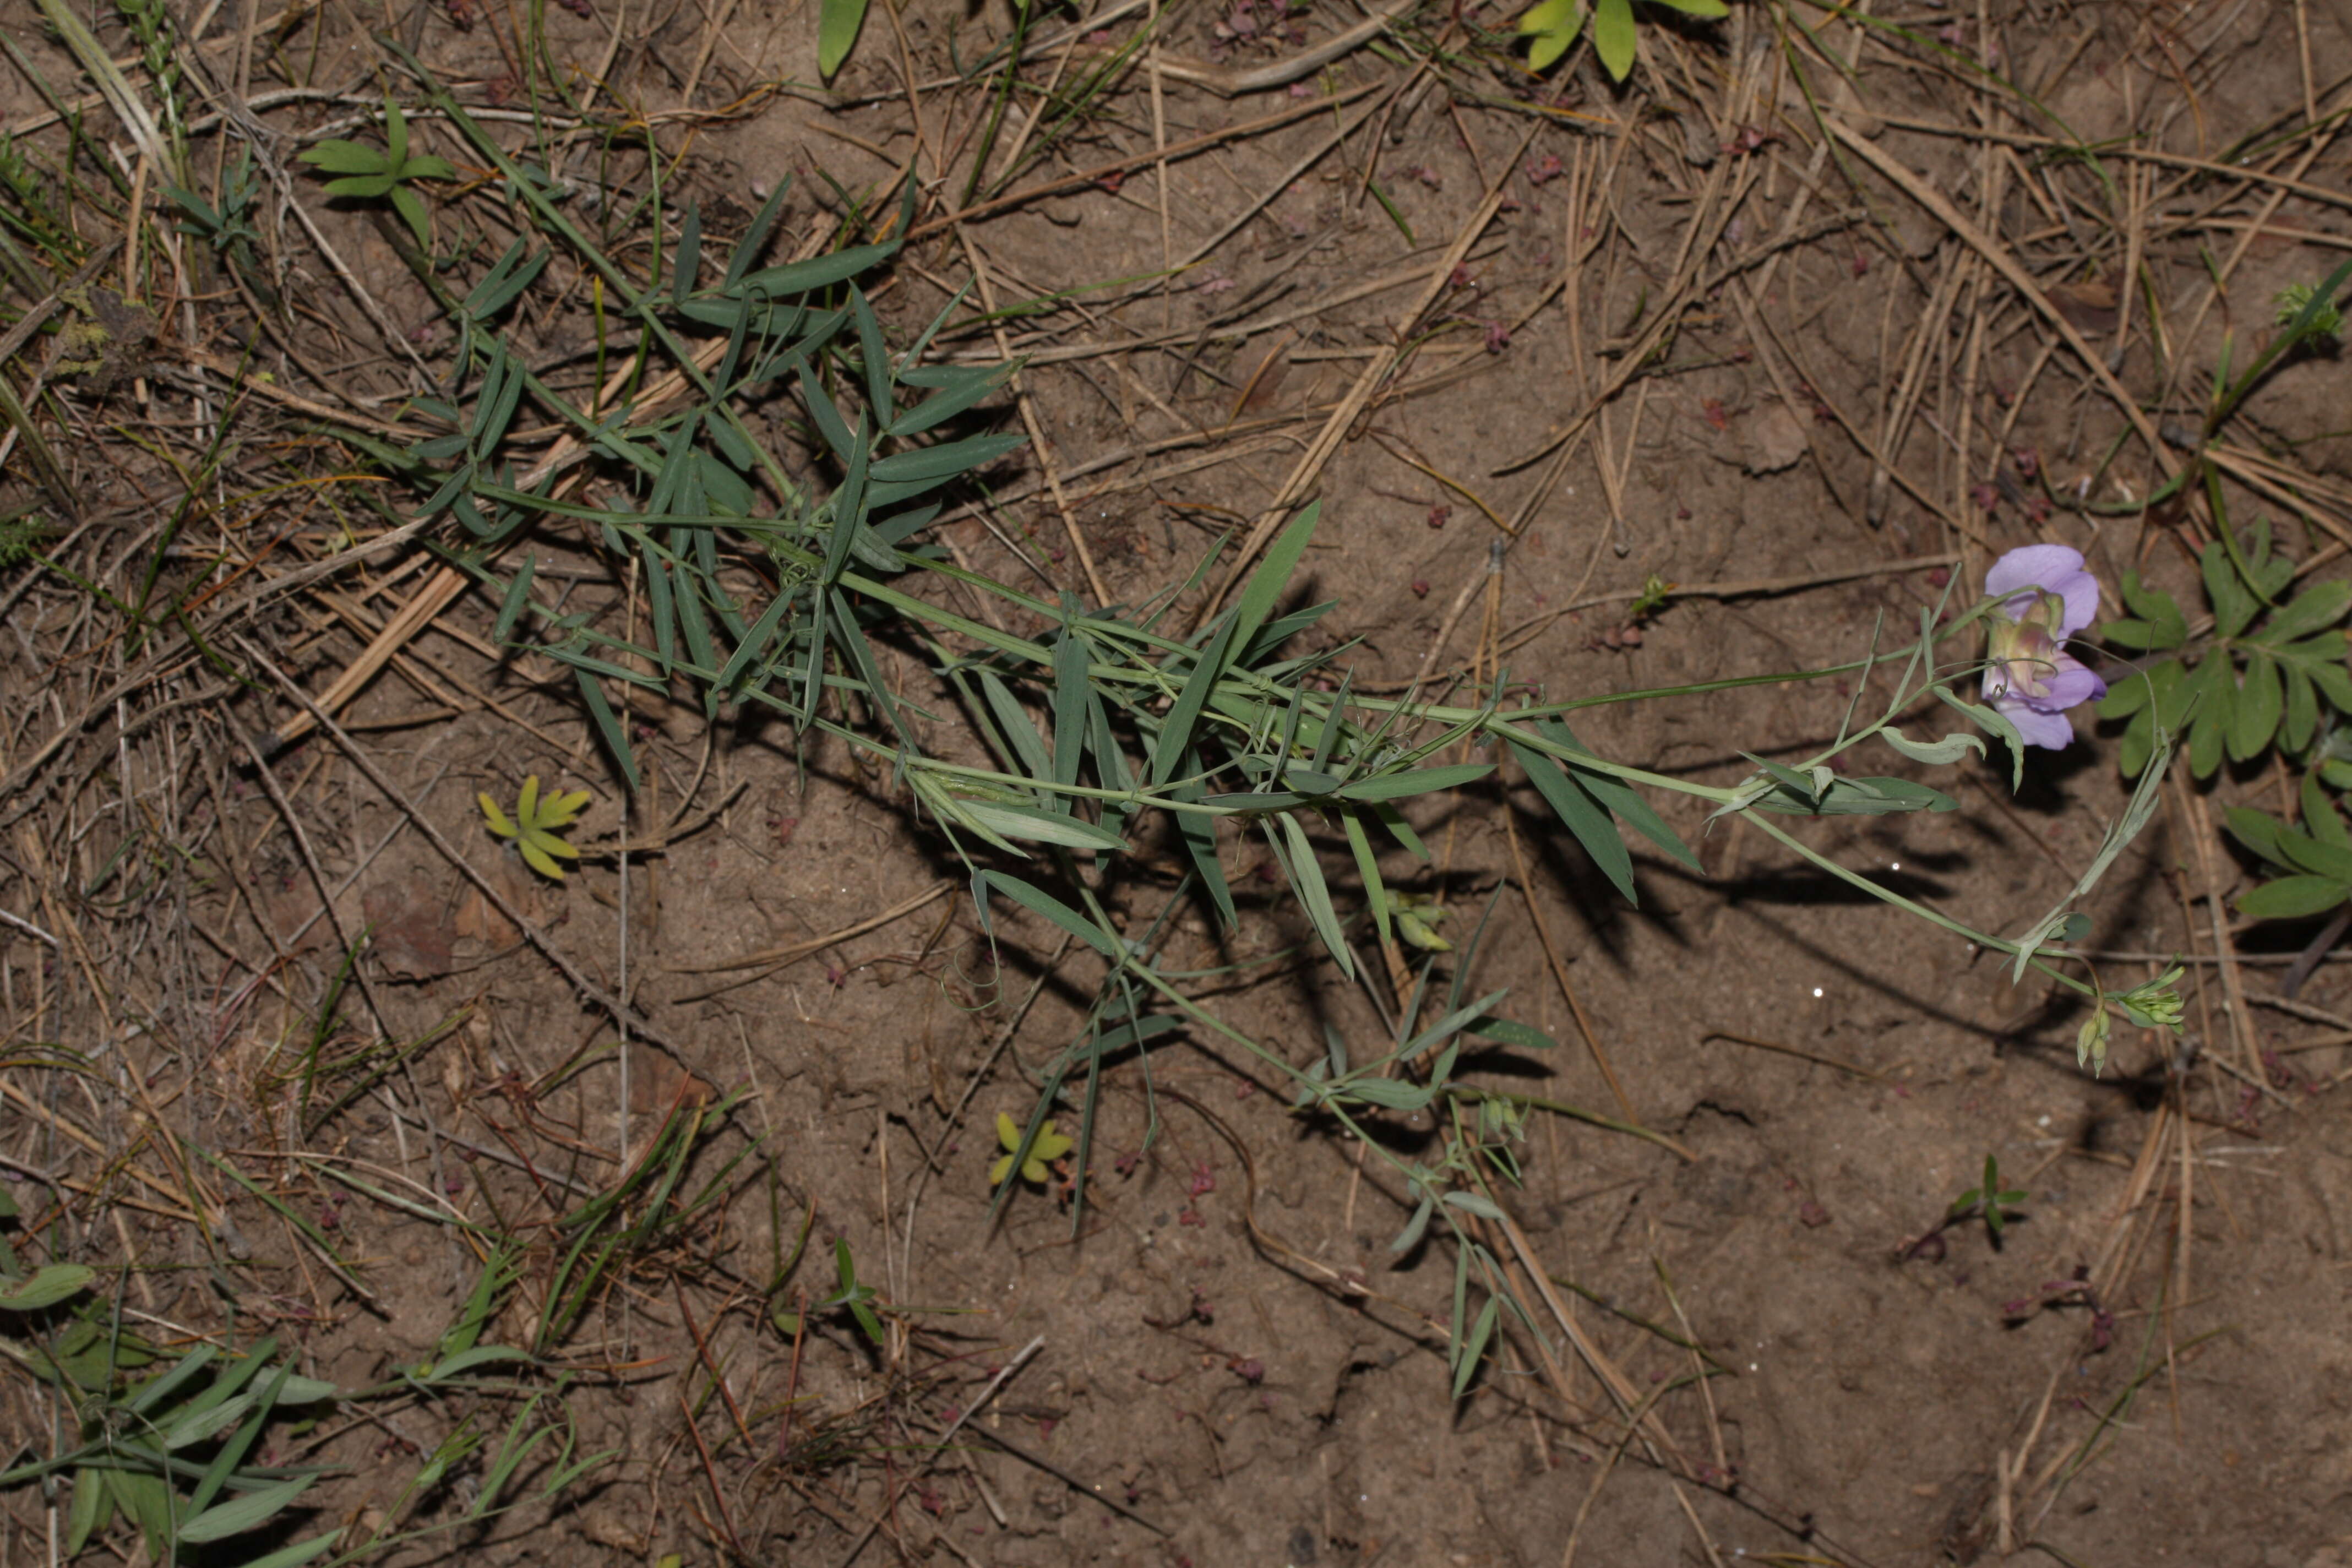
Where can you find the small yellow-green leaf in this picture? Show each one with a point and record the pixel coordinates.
(527, 803)
(1414, 929)
(838, 22)
(547, 843)
(539, 861)
(1613, 37)
(1555, 24)
(495, 817)
(557, 810)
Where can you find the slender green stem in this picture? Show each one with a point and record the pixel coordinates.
(1908, 906)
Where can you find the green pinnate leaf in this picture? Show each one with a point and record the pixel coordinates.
(2320, 606)
(2234, 602)
(48, 1285)
(2304, 853)
(2292, 898)
(1613, 37)
(2258, 831)
(1554, 25)
(535, 825)
(2254, 716)
(2301, 719)
(2319, 817)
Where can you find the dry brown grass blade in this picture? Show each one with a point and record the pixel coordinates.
(797, 949)
(1174, 151)
(440, 591)
(1229, 83)
(173, 1199)
(2011, 272)
(2325, 194)
(1796, 1051)
(1026, 403)
(971, 1406)
(1384, 365)
(1381, 284)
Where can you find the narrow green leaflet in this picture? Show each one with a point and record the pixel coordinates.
(1623, 799)
(1471, 1350)
(2316, 608)
(1613, 36)
(2146, 797)
(1273, 575)
(1041, 902)
(1368, 867)
(1413, 781)
(1583, 816)
(1296, 857)
(838, 22)
(2292, 898)
(248, 1512)
(1044, 826)
(2254, 716)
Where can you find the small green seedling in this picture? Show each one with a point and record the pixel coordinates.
(1655, 590)
(1996, 1206)
(2325, 323)
(534, 824)
(857, 1298)
(1049, 1147)
(226, 224)
(386, 171)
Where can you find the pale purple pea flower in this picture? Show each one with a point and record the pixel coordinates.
(2047, 596)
